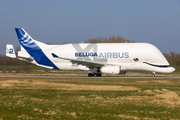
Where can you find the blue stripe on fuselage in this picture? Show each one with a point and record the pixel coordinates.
(41, 58)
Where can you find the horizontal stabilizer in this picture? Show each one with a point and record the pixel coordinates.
(30, 59)
(10, 51)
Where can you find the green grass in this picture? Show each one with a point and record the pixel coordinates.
(177, 68)
(89, 98)
(33, 67)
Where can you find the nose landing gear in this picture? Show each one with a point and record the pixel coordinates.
(153, 74)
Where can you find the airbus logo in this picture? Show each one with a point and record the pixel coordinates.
(114, 55)
(85, 54)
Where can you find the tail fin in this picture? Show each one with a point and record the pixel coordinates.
(34, 48)
(25, 39)
(10, 51)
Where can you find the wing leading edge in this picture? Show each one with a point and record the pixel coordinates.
(82, 62)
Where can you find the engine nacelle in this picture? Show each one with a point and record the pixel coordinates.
(111, 70)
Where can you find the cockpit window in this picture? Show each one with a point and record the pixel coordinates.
(136, 59)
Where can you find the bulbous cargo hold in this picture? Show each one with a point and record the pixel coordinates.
(137, 56)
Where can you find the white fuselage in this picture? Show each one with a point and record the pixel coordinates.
(129, 56)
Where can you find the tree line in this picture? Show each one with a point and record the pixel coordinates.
(172, 57)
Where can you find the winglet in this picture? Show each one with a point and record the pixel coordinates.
(54, 55)
(10, 51)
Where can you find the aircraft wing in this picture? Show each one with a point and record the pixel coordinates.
(82, 62)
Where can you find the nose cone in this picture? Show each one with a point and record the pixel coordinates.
(171, 69)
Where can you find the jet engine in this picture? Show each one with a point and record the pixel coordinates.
(111, 70)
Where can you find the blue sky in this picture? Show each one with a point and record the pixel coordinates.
(58, 21)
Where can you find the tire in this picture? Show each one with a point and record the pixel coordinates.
(90, 75)
(99, 74)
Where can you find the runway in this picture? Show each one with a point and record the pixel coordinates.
(50, 76)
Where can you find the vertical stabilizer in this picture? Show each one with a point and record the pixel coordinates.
(26, 40)
(10, 51)
(34, 48)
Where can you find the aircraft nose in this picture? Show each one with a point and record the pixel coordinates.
(171, 69)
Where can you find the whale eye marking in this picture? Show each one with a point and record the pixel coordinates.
(136, 59)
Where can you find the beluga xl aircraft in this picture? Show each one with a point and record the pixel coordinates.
(97, 58)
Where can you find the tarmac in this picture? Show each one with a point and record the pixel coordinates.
(50, 76)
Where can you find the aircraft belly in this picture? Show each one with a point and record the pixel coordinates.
(65, 66)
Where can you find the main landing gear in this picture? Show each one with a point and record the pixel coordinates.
(94, 75)
(153, 74)
(95, 72)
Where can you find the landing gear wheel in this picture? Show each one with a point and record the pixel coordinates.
(90, 75)
(94, 75)
(153, 75)
(99, 74)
